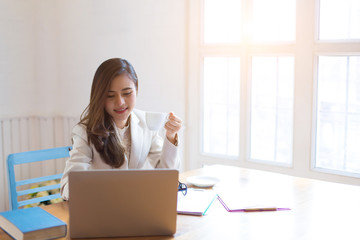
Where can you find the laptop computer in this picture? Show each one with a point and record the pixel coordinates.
(119, 203)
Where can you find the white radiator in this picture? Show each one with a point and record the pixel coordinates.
(31, 133)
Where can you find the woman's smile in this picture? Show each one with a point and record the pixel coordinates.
(120, 110)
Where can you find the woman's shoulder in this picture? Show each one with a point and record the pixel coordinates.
(80, 130)
(139, 114)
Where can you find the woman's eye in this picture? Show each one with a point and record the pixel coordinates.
(127, 93)
(110, 96)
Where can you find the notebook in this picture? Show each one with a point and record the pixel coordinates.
(196, 201)
(120, 203)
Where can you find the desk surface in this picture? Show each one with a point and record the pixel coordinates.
(319, 210)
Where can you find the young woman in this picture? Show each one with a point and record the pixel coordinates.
(112, 134)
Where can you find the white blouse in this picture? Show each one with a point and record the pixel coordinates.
(125, 138)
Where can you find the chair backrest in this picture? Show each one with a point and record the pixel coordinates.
(29, 157)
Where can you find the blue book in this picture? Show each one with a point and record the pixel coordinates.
(32, 223)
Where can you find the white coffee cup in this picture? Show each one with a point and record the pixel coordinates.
(156, 120)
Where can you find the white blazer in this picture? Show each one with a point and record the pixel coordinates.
(148, 150)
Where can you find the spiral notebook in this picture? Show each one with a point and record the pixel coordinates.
(195, 202)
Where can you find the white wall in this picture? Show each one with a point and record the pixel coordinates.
(16, 58)
(150, 34)
(50, 49)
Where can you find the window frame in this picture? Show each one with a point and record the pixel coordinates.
(305, 51)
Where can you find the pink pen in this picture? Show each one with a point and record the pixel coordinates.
(262, 209)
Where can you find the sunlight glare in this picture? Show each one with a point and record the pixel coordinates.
(339, 19)
(273, 20)
(222, 21)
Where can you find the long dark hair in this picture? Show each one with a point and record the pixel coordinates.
(99, 125)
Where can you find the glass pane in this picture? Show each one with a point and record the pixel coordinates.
(338, 113)
(353, 121)
(274, 20)
(222, 21)
(272, 94)
(221, 119)
(339, 19)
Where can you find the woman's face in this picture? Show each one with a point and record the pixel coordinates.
(121, 99)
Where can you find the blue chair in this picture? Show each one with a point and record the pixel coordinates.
(29, 157)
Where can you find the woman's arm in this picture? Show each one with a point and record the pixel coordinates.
(163, 154)
(80, 157)
(169, 155)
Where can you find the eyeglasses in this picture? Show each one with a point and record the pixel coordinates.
(182, 188)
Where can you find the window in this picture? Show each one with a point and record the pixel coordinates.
(221, 105)
(339, 19)
(272, 93)
(272, 80)
(220, 20)
(338, 113)
(273, 21)
(338, 79)
(273, 84)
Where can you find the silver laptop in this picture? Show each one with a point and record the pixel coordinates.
(119, 203)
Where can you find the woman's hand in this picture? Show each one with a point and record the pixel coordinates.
(172, 126)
